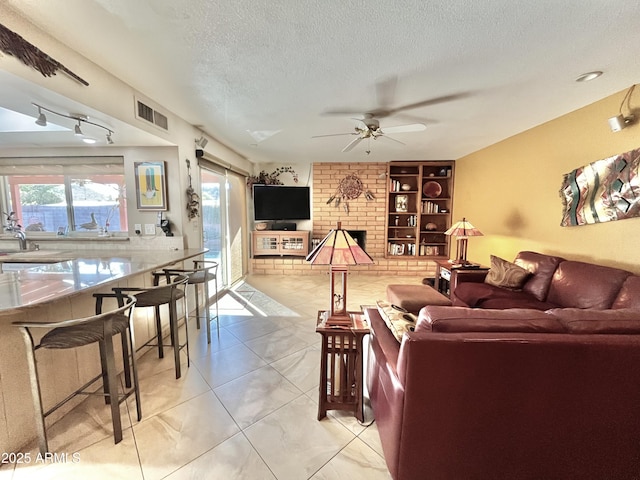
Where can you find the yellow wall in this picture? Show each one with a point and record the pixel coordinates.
(510, 190)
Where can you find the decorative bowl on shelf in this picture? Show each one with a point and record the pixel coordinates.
(405, 187)
(432, 189)
(431, 226)
(261, 226)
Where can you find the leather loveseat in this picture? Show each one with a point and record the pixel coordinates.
(515, 393)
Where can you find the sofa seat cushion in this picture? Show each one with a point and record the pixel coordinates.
(506, 274)
(629, 295)
(462, 319)
(398, 321)
(589, 321)
(484, 295)
(585, 285)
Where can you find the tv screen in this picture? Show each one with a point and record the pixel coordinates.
(279, 202)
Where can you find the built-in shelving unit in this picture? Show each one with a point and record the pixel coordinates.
(419, 204)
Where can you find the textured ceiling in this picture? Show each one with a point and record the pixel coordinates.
(261, 75)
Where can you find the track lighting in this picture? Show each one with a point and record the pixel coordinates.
(621, 120)
(42, 121)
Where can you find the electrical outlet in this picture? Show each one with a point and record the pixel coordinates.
(149, 229)
(137, 228)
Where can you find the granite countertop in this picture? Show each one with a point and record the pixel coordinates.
(66, 273)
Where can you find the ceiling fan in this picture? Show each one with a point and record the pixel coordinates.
(370, 123)
(369, 128)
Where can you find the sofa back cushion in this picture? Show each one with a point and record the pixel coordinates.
(581, 321)
(462, 319)
(629, 295)
(585, 285)
(542, 267)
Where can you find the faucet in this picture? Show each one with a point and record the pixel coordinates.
(22, 238)
(12, 225)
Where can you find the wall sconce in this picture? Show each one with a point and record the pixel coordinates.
(620, 121)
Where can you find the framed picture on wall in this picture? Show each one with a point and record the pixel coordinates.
(151, 185)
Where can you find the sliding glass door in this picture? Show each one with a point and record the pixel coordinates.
(223, 222)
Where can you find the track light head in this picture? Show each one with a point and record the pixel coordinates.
(77, 131)
(109, 139)
(42, 119)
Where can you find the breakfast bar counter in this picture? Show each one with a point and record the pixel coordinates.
(35, 277)
(32, 288)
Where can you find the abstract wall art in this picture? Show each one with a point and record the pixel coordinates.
(602, 191)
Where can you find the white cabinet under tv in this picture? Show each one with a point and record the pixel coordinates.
(280, 242)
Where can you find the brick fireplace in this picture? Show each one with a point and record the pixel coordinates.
(364, 216)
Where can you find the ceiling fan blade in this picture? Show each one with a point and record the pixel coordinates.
(426, 103)
(392, 139)
(413, 127)
(352, 144)
(334, 135)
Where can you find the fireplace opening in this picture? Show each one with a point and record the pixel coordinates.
(360, 236)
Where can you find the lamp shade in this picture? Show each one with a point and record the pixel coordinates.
(463, 228)
(339, 248)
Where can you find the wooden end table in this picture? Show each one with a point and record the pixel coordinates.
(445, 270)
(341, 366)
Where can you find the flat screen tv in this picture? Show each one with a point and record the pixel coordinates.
(279, 202)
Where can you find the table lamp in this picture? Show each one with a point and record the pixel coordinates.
(462, 230)
(338, 250)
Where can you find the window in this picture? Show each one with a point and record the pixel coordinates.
(67, 196)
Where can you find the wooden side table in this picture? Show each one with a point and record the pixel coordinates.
(341, 366)
(444, 272)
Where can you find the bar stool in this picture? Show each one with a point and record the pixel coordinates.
(79, 332)
(166, 294)
(202, 273)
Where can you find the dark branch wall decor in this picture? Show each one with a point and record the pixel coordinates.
(603, 191)
(13, 44)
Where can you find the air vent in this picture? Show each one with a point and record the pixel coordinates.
(145, 112)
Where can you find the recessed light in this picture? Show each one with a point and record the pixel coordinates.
(89, 140)
(586, 77)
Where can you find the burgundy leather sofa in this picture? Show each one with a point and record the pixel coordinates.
(554, 282)
(516, 393)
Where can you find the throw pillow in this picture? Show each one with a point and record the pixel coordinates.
(397, 321)
(506, 274)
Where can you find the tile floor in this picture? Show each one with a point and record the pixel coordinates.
(245, 409)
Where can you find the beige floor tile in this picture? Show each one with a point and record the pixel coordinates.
(255, 395)
(301, 368)
(101, 461)
(223, 366)
(356, 460)
(163, 391)
(173, 438)
(277, 345)
(293, 443)
(233, 459)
